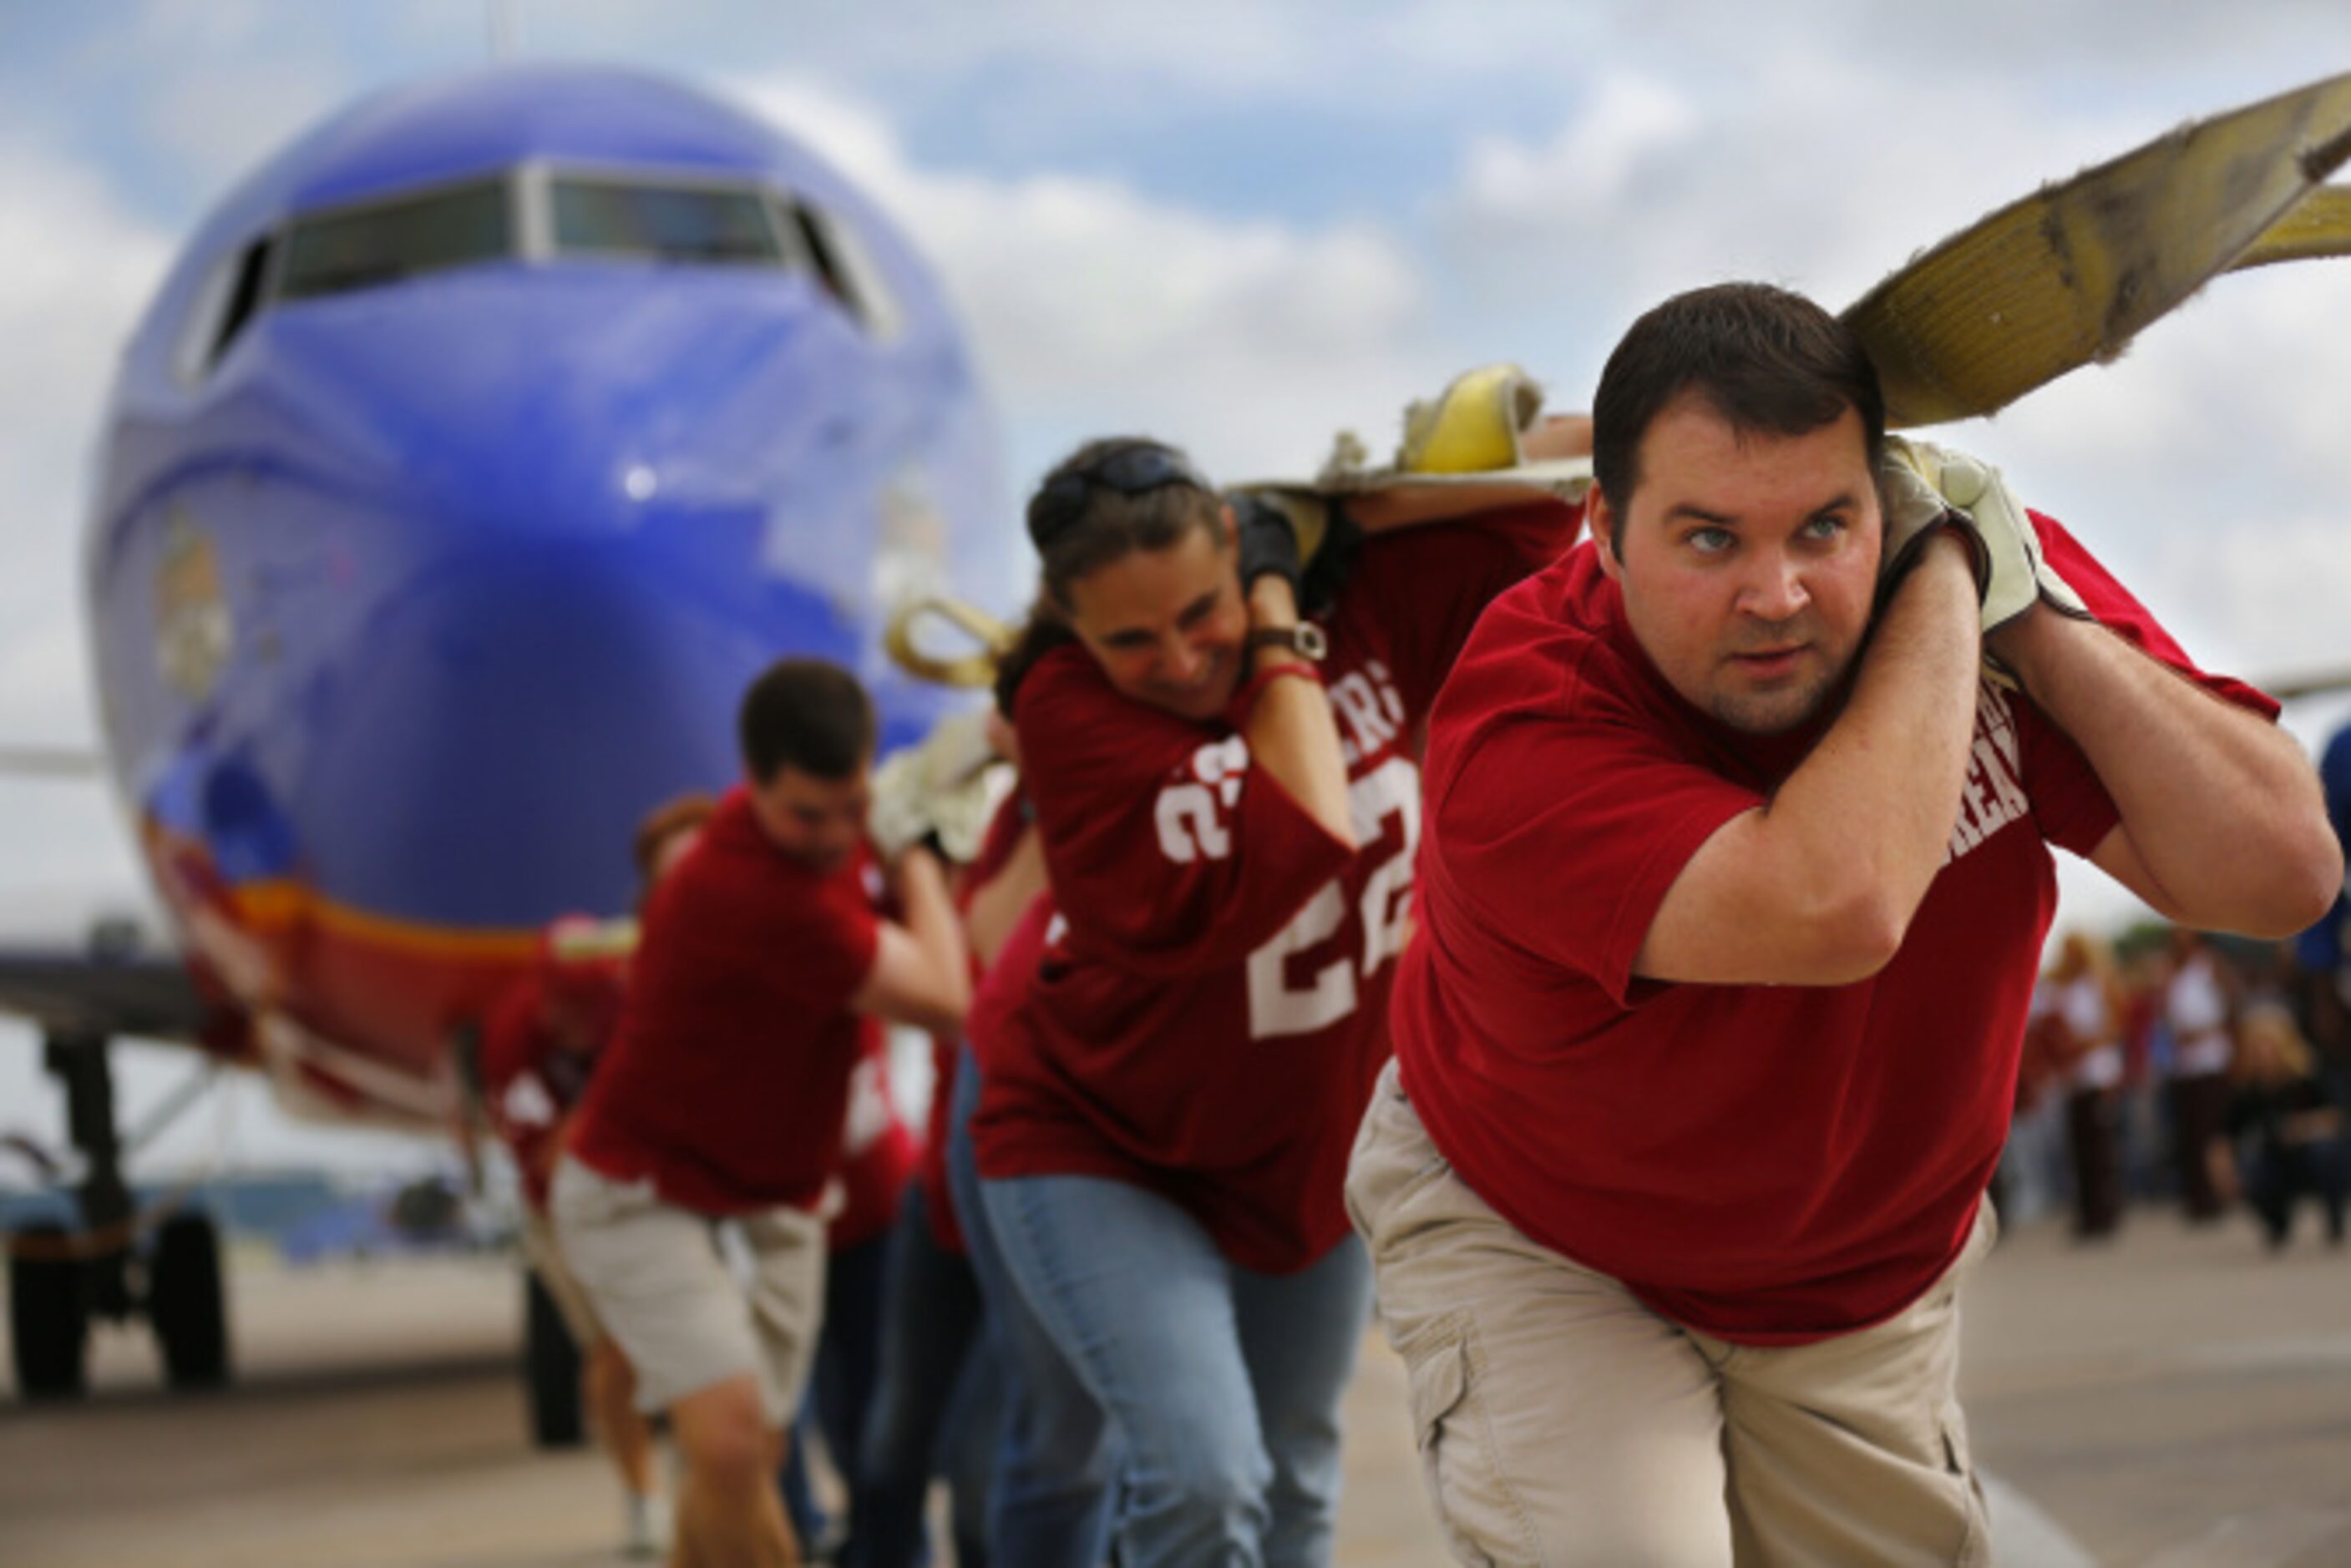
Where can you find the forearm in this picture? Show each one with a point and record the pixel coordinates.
(1291, 734)
(1871, 809)
(2222, 811)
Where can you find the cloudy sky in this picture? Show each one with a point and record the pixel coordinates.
(1246, 226)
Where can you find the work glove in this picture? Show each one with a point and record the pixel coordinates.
(1325, 538)
(1268, 536)
(2012, 574)
(1914, 511)
(939, 789)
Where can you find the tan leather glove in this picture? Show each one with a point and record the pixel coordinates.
(2012, 575)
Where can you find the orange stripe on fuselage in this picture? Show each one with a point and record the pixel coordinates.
(272, 906)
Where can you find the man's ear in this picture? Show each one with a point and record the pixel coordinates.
(1232, 530)
(1602, 519)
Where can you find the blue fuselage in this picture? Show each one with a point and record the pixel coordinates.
(413, 594)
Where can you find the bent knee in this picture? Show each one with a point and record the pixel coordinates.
(1208, 1481)
(723, 1434)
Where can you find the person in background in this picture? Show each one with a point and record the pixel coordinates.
(539, 1045)
(2287, 1127)
(878, 1155)
(2024, 1183)
(2085, 1021)
(941, 1392)
(763, 970)
(2199, 1007)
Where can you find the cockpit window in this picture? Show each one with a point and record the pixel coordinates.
(387, 241)
(663, 223)
(534, 214)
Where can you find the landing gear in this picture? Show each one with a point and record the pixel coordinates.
(58, 1280)
(49, 1321)
(551, 1370)
(184, 1303)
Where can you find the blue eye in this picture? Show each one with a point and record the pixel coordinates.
(1709, 540)
(1826, 525)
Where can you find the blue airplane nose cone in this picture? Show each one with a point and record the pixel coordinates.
(492, 745)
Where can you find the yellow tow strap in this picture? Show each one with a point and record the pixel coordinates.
(2068, 274)
(970, 670)
(2318, 225)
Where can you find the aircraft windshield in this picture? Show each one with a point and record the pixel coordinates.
(663, 223)
(393, 240)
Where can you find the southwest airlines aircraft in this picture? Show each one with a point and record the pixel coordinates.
(477, 453)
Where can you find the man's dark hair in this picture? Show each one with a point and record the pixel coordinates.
(807, 714)
(1770, 362)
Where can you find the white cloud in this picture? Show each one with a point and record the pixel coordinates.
(80, 271)
(217, 124)
(1632, 124)
(1092, 306)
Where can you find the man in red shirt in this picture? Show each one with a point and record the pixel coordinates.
(762, 972)
(1733, 888)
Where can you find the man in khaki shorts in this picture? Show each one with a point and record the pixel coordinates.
(1731, 899)
(762, 970)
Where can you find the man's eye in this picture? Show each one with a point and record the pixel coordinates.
(1827, 525)
(1709, 540)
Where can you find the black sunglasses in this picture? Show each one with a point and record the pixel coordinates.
(1129, 470)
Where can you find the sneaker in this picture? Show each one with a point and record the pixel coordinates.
(648, 1526)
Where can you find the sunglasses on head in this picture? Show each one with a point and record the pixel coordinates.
(1129, 470)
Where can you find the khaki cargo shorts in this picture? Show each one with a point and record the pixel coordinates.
(546, 1258)
(1560, 1421)
(657, 1282)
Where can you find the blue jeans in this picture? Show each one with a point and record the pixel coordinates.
(1225, 1384)
(939, 1394)
(1049, 1506)
(841, 1385)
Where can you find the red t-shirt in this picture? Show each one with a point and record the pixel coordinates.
(879, 1153)
(727, 1081)
(1767, 1164)
(1210, 1011)
(530, 1080)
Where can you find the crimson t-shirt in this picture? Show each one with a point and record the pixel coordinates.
(1209, 1010)
(530, 1080)
(1766, 1164)
(726, 1082)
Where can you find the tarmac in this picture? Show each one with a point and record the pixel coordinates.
(2173, 1398)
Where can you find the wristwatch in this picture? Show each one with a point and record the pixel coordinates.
(1304, 640)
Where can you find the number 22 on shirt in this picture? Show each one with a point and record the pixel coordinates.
(1190, 820)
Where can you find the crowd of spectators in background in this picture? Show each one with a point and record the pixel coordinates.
(2169, 1068)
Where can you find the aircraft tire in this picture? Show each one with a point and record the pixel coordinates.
(48, 1322)
(550, 1370)
(185, 1304)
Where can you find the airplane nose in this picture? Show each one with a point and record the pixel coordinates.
(494, 720)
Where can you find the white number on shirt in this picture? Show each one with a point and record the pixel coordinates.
(1277, 1007)
(1190, 814)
